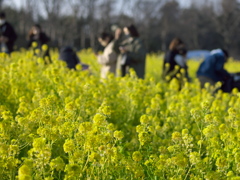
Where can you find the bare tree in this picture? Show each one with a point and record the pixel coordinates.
(91, 7)
(105, 10)
(29, 12)
(77, 10)
(220, 28)
(144, 12)
(169, 22)
(1, 3)
(228, 23)
(207, 24)
(53, 11)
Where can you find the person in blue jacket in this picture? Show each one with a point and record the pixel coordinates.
(212, 70)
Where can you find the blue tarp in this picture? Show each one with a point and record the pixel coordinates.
(197, 54)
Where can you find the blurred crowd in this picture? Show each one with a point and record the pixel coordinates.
(124, 50)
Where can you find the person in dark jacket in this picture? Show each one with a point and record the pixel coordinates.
(7, 35)
(68, 55)
(36, 39)
(133, 52)
(175, 60)
(212, 70)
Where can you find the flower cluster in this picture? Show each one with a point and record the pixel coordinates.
(57, 123)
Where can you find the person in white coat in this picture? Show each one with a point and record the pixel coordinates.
(108, 59)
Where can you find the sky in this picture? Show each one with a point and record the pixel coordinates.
(18, 3)
(182, 3)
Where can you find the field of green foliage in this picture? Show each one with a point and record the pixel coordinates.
(59, 124)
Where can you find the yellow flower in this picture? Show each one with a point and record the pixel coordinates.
(230, 174)
(237, 157)
(221, 162)
(180, 161)
(70, 106)
(57, 164)
(44, 47)
(176, 67)
(182, 70)
(34, 44)
(22, 121)
(68, 145)
(176, 136)
(178, 75)
(39, 143)
(48, 178)
(232, 112)
(111, 127)
(235, 178)
(140, 128)
(208, 118)
(210, 131)
(150, 129)
(85, 126)
(144, 119)
(200, 142)
(118, 135)
(139, 173)
(194, 157)
(72, 170)
(171, 149)
(148, 110)
(222, 128)
(106, 110)
(25, 177)
(143, 138)
(184, 131)
(99, 119)
(205, 105)
(94, 157)
(25, 173)
(167, 65)
(37, 51)
(137, 156)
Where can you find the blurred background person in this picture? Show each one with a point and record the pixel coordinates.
(37, 36)
(175, 60)
(108, 59)
(212, 70)
(118, 37)
(68, 55)
(7, 35)
(133, 52)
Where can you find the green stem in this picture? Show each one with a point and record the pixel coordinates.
(188, 172)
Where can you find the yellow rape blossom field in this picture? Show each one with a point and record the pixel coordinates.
(59, 124)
